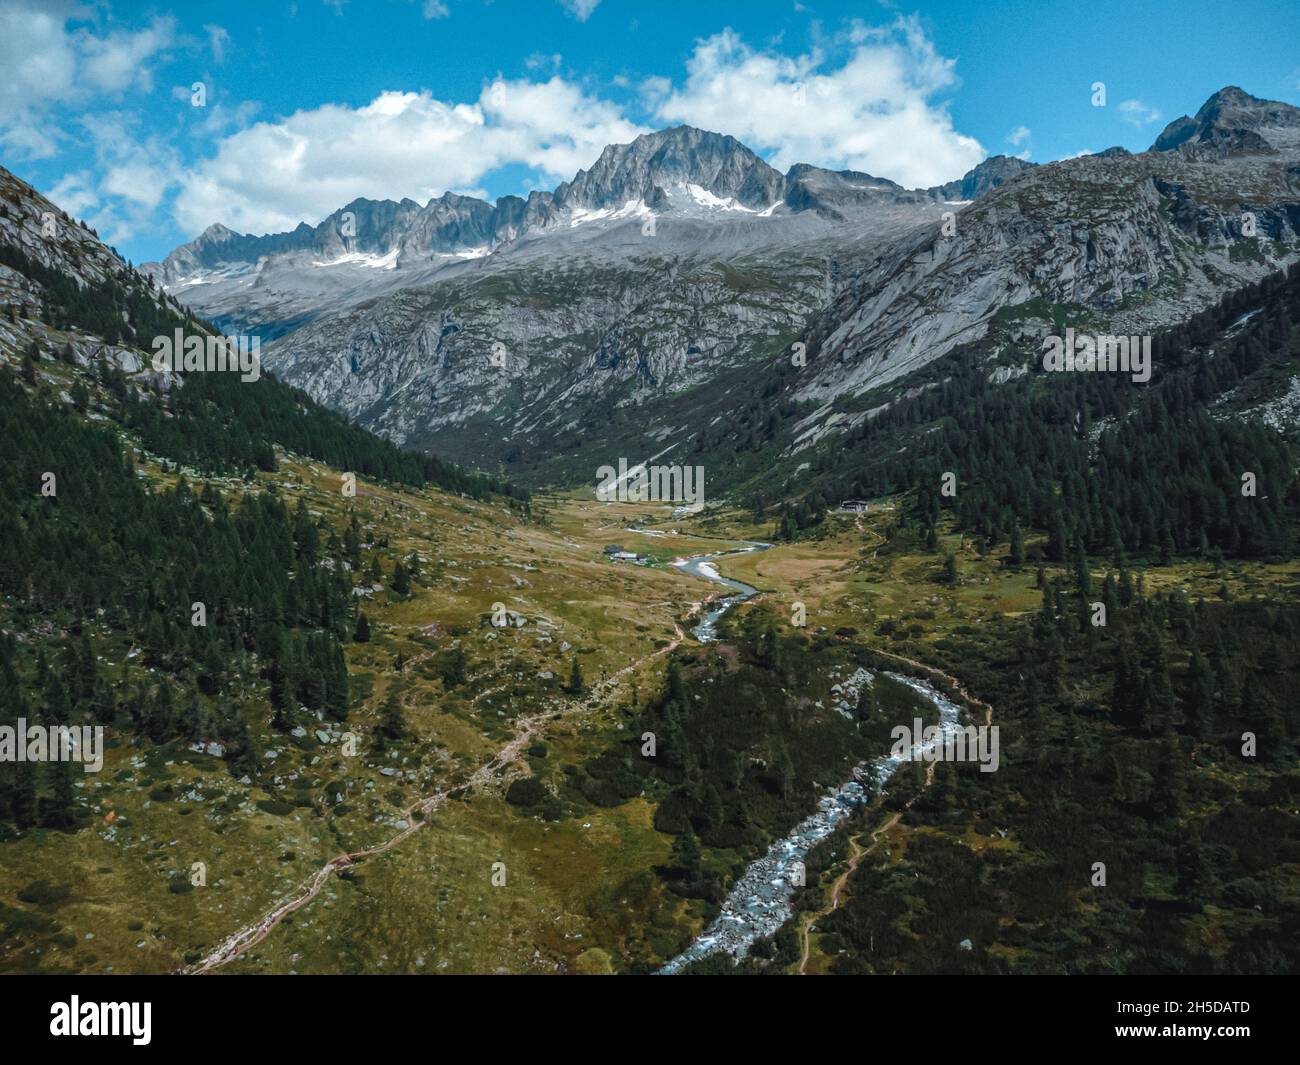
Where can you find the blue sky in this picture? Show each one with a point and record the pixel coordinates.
(307, 104)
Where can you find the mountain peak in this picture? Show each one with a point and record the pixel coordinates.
(217, 232)
(679, 155)
(1232, 122)
(988, 175)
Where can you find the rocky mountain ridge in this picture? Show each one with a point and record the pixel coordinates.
(680, 171)
(676, 261)
(1139, 240)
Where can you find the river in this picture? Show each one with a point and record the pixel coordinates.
(761, 901)
(702, 566)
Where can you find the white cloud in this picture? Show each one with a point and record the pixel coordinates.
(137, 179)
(218, 38)
(875, 112)
(122, 59)
(273, 175)
(435, 9)
(655, 90)
(580, 9)
(133, 175)
(45, 64)
(31, 141)
(538, 61)
(75, 193)
(1018, 136)
(1136, 113)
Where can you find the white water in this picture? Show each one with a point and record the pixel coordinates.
(761, 901)
(703, 566)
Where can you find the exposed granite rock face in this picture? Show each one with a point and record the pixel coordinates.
(525, 347)
(683, 155)
(641, 171)
(986, 177)
(681, 257)
(1232, 122)
(40, 229)
(1139, 240)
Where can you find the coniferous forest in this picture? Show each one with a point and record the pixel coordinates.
(945, 619)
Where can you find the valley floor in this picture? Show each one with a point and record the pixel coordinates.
(410, 859)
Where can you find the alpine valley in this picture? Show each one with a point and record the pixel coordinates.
(622, 312)
(385, 688)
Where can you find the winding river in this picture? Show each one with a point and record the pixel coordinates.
(761, 900)
(703, 566)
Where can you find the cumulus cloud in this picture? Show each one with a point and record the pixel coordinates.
(874, 111)
(121, 60)
(122, 194)
(1018, 136)
(75, 193)
(48, 63)
(273, 175)
(1136, 113)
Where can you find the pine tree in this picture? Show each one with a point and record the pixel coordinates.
(453, 672)
(392, 721)
(352, 543)
(1082, 575)
(866, 706)
(686, 855)
(576, 683)
(59, 810)
(401, 580)
(1200, 695)
(336, 681)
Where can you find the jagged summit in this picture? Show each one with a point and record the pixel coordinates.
(682, 156)
(682, 172)
(993, 172)
(1233, 122)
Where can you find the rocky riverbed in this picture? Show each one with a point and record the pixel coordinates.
(761, 901)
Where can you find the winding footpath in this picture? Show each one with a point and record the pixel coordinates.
(858, 851)
(855, 858)
(495, 770)
(491, 771)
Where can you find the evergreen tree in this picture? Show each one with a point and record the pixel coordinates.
(59, 810)
(576, 683)
(392, 721)
(1017, 545)
(401, 580)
